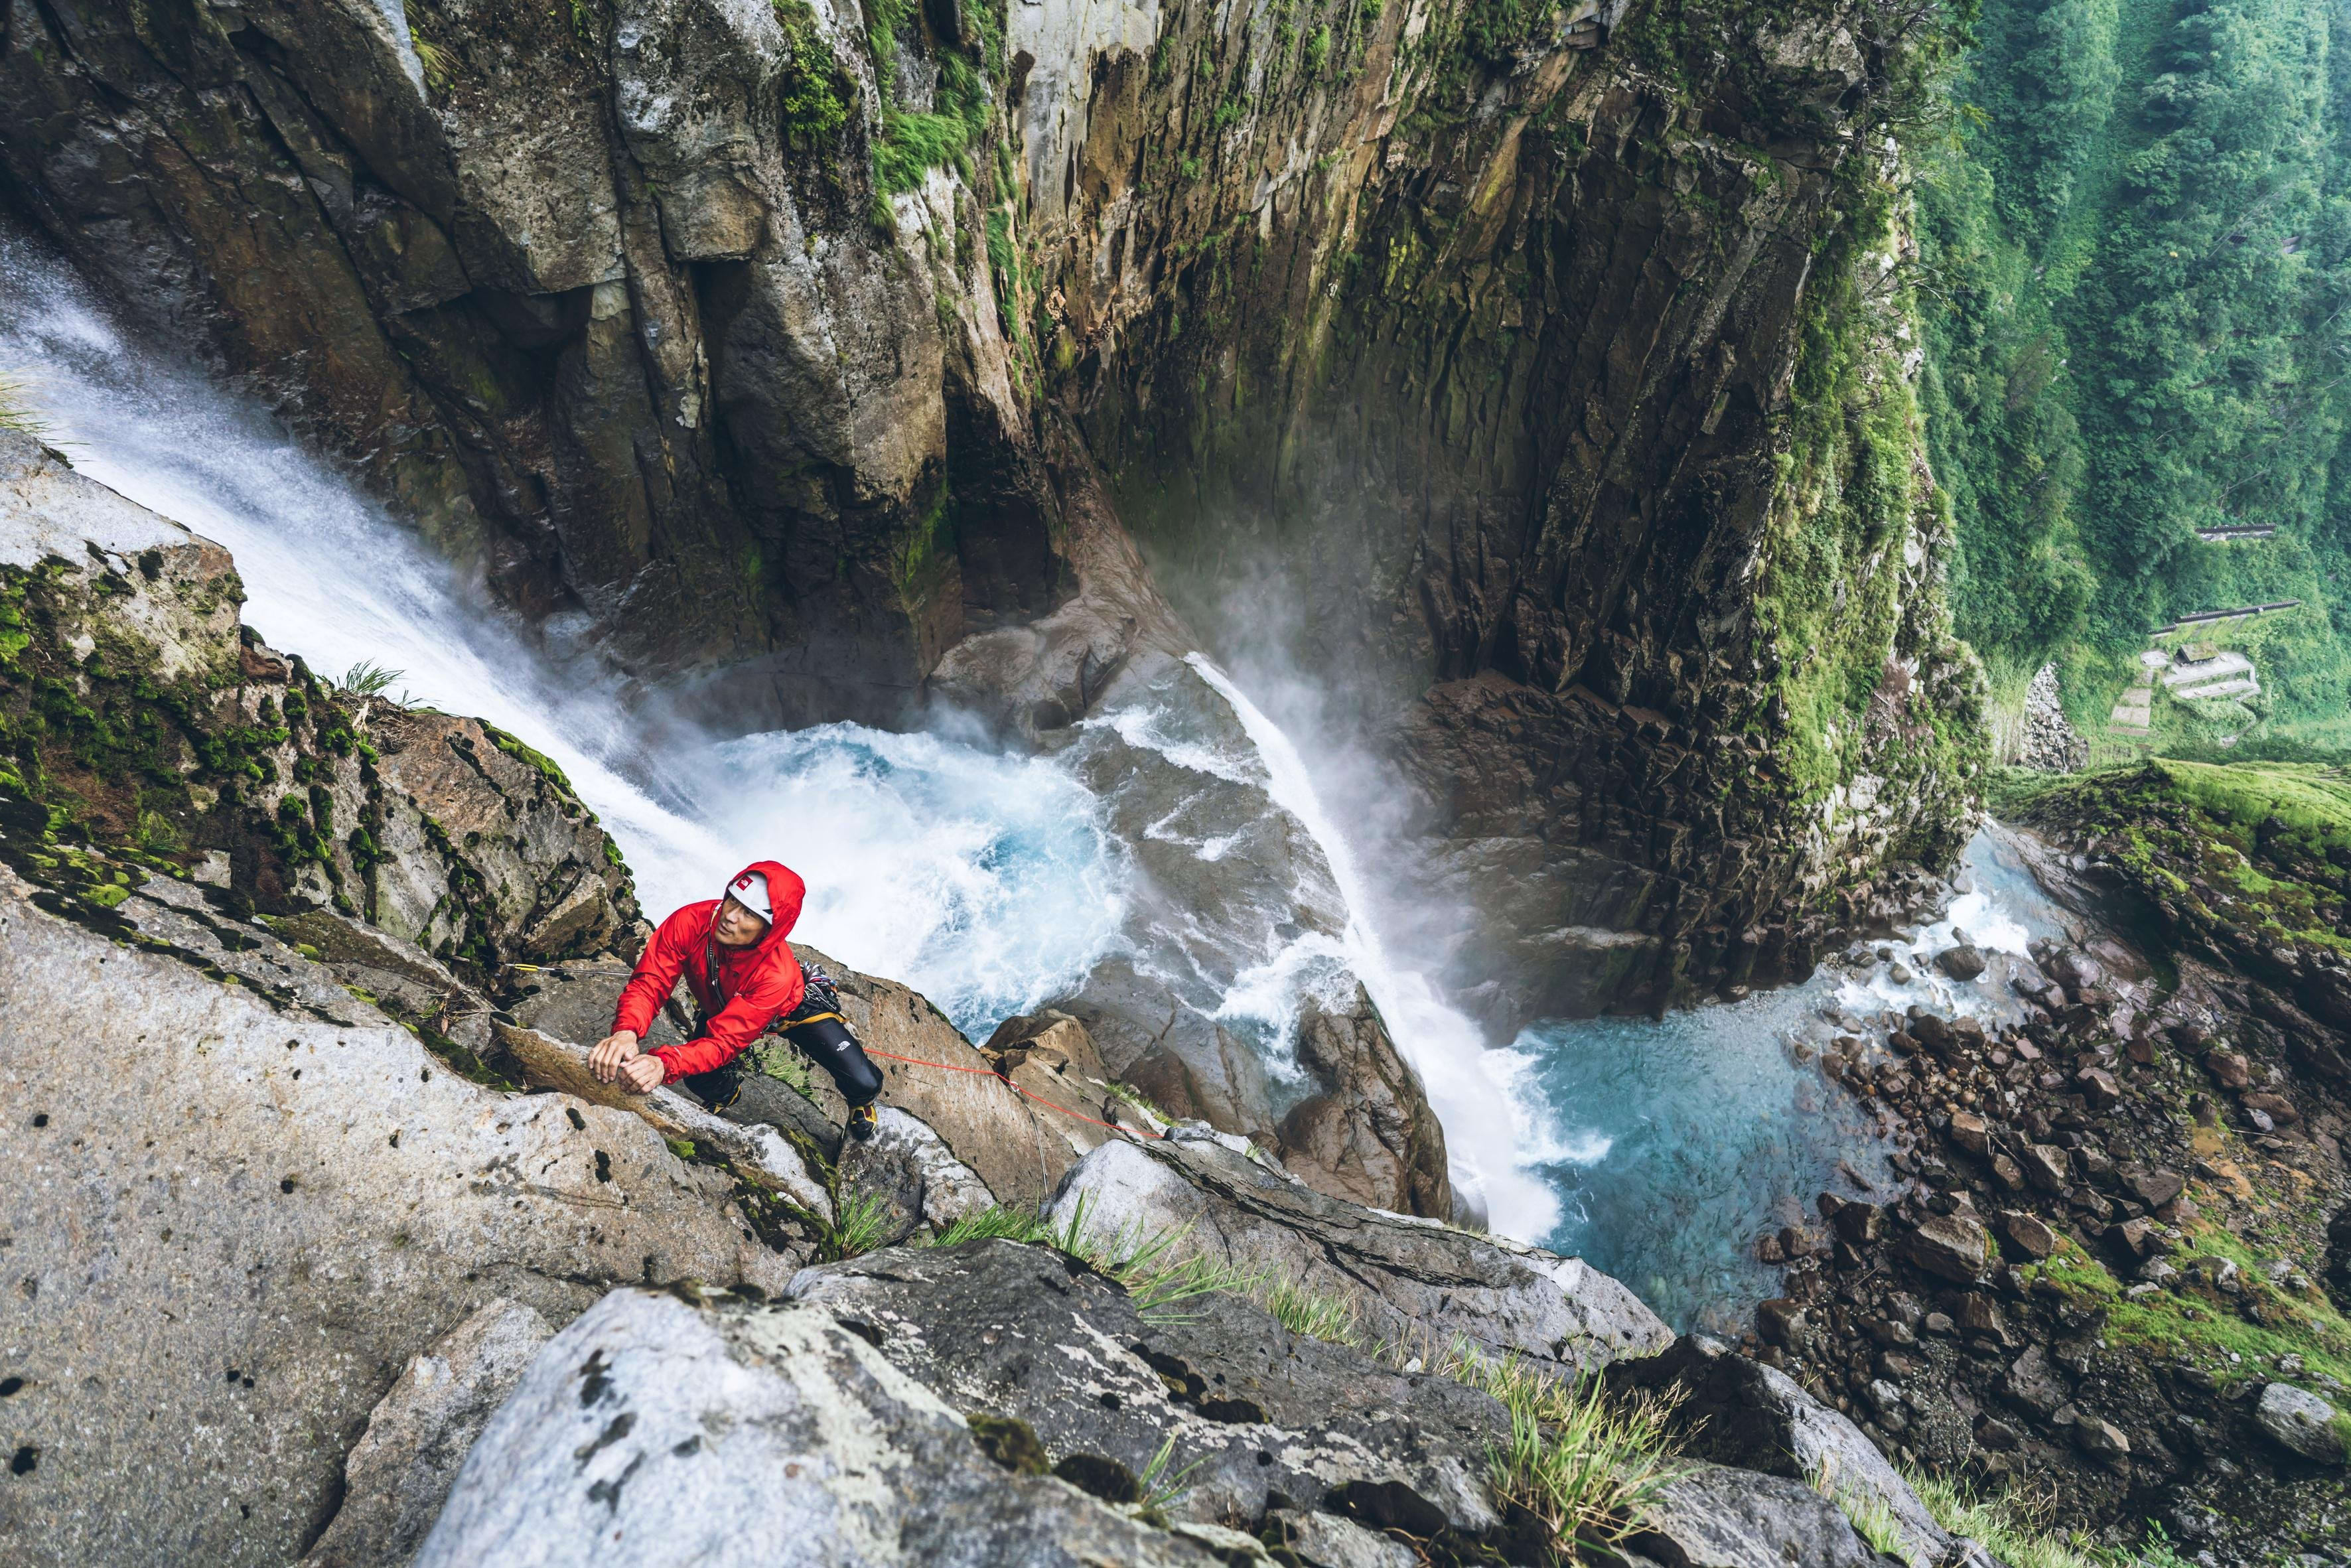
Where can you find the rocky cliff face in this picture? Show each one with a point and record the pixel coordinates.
(136, 709)
(1537, 376)
(794, 345)
(329, 1248)
(140, 717)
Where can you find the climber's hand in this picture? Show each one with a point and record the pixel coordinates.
(611, 1051)
(641, 1074)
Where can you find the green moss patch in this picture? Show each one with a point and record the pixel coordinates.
(2233, 852)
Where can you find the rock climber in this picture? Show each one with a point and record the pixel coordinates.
(747, 981)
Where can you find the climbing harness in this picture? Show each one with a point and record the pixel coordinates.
(816, 1027)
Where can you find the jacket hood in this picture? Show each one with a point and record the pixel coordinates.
(785, 893)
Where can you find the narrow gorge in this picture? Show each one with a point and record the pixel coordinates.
(1394, 638)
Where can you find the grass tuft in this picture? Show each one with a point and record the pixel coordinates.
(813, 105)
(1318, 1315)
(16, 410)
(2015, 1527)
(1589, 1464)
(367, 679)
(1871, 1516)
(433, 59)
(1161, 1490)
(858, 1227)
(782, 1061)
(994, 1224)
(1128, 1092)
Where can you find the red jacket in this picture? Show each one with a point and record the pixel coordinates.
(761, 983)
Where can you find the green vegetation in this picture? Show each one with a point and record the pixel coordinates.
(2292, 650)
(1585, 1462)
(2136, 247)
(16, 410)
(860, 1224)
(1871, 1516)
(2260, 849)
(814, 104)
(1831, 603)
(545, 765)
(1162, 1490)
(1496, 30)
(782, 1061)
(1138, 1099)
(995, 1224)
(366, 679)
(433, 60)
(1318, 1315)
(915, 143)
(2231, 1337)
(2014, 1525)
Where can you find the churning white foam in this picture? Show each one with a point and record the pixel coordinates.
(989, 882)
(1488, 1128)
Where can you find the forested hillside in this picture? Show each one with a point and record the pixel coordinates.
(2135, 264)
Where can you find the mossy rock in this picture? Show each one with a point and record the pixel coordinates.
(2257, 851)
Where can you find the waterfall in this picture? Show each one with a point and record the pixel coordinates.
(988, 882)
(1490, 1120)
(994, 883)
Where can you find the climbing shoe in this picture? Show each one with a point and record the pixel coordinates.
(861, 1123)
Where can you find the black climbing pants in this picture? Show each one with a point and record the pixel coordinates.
(825, 1041)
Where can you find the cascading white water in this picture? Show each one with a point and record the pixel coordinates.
(1493, 1123)
(988, 882)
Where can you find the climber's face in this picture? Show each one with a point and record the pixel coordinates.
(736, 926)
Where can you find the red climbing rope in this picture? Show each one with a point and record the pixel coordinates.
(990, 1072)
